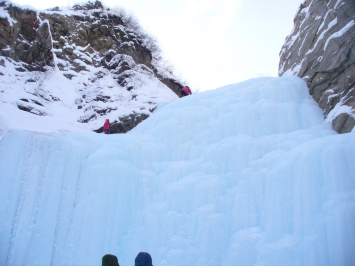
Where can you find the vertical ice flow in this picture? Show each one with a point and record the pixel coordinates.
(248, 174)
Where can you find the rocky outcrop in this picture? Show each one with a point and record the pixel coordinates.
(173, 84)
(24, 38)
(112, 66)
(320, 50)
(125, 123)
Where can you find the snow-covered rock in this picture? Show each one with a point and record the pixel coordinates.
(320, 49)
(75, 67)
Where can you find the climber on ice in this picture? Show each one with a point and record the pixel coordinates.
(143, 259)
(185, 91)
(110, 260)
(107, 127)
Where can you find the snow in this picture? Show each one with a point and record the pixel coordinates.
(329, 91)
(60, 97)
(330, 25)
(340, 107)
(248, 174)
(304, 39)
(292, 40)
(339, 4)
(294, 70)
(5, 14)
(306, 13)
(340, 32)
(78, 91)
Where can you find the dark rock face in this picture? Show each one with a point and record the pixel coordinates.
(104, 34)
(99, 32)
(174, 85)
(26, 39)
(125, 123)
(320, 50)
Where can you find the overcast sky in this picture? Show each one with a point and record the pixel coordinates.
(211, 43)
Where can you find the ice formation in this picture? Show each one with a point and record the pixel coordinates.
(248, 174)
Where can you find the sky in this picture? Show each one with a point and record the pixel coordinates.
(211, 43)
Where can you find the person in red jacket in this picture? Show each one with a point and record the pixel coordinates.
(185, 91)
(107, 127)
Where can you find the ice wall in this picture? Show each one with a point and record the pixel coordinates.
(248, 174)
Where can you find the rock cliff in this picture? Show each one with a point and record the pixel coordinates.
(92, 61)
(320, 50)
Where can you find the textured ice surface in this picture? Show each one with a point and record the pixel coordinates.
(248, 174)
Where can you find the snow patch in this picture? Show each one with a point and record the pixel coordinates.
(330, 25)
(339, 33)
(62, 97)
(339, 4)
(340, 108)
(5, 14)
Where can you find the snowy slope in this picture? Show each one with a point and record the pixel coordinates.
(70, 69)
(53, 99)
(248, 174)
